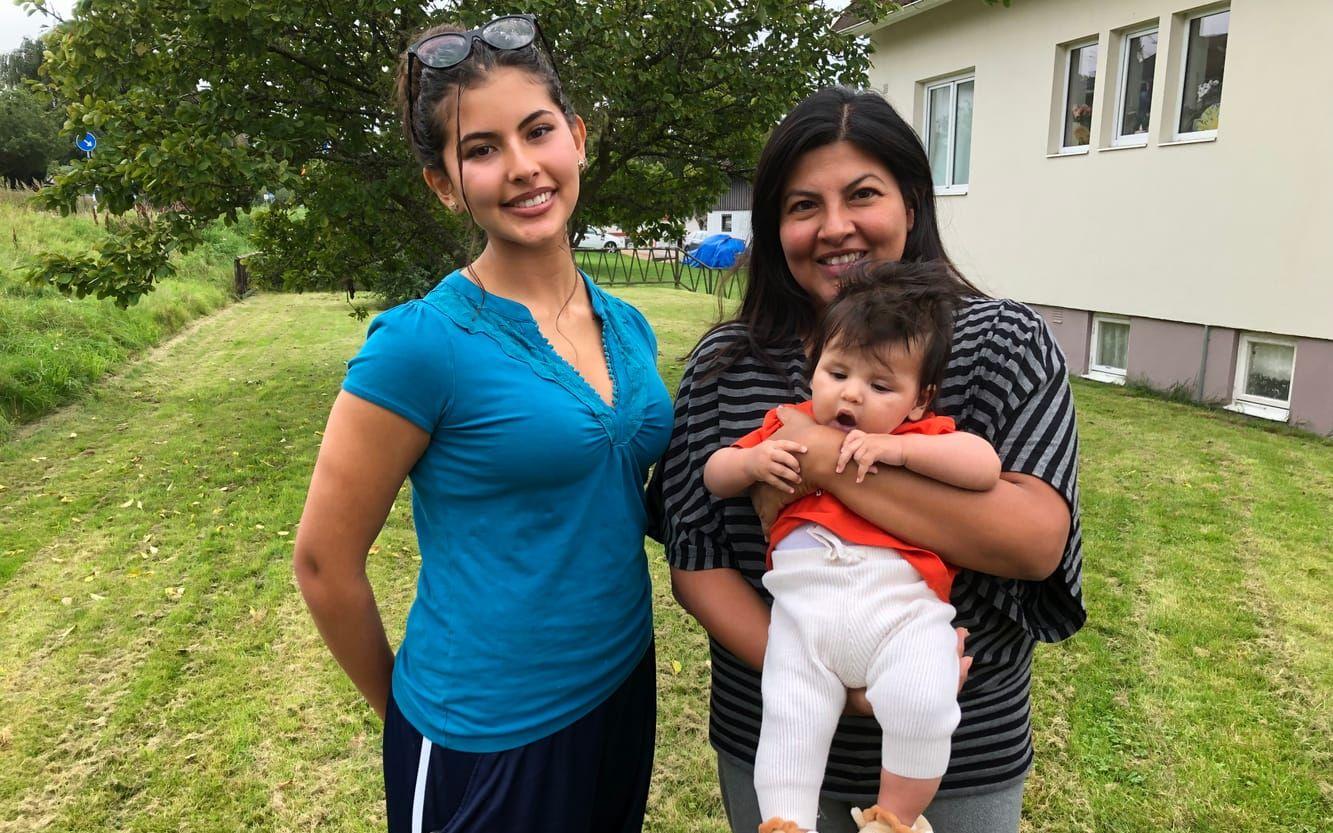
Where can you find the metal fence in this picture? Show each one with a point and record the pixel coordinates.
(648, 265)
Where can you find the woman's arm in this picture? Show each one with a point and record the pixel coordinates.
(728, 608)
(365, 456)
(1016, 530)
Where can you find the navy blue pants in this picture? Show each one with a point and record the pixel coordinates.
(590, 777)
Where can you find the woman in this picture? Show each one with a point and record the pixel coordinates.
(843, 179)
(524, 404)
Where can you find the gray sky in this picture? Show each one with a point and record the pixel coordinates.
(15, 25)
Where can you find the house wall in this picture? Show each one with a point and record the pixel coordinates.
(1229, 232)
(740, 224)
(1167, 354)
(1164, 354)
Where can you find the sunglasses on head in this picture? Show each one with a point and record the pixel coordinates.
(449, 49)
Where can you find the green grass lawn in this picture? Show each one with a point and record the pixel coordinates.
(52, 348)
(158, 671)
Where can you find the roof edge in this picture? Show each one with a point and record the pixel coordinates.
(851, 26)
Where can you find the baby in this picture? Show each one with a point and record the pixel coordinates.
(853, 606)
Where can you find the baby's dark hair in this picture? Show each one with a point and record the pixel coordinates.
(890, 302)
(431, 86)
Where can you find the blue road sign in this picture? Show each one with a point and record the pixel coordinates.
(87, 144)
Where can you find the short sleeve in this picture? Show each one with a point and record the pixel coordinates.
(642, 328)
(1029, 416)
(763, 432)
(683, 515)
(406, 365)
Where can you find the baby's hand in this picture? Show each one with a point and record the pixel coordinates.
(774, 462)
(869, 449)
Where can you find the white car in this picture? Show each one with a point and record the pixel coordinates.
(612, 240)
(694, 238)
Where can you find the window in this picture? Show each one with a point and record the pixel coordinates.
(726, 222)
(1080, 80)
(949, 134)
(1263, 377)
(1138, 65)
(1110, 349)
(1205, 58)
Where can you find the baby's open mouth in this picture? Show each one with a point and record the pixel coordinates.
(846, 420)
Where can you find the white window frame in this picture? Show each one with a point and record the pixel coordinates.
(1104, 372)
(1133, 139)
(950, 188)
(1193, 135)
(1064, 98)
(1259, 406)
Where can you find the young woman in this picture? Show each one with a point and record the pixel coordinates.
(843, 180)
(524, 404)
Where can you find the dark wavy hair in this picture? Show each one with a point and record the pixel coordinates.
(774, 309)
(883, 304)
(435, 85)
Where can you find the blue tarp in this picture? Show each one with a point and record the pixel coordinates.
(717, 252)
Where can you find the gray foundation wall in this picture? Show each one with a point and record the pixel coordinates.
(1312, 386)
(1166, 354)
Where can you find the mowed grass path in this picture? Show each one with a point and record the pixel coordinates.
(158, 671)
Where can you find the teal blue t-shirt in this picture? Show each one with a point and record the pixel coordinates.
(533, 600)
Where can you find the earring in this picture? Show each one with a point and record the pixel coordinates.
(583, 163)
(451, 205)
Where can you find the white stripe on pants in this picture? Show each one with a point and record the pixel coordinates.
(847, 616)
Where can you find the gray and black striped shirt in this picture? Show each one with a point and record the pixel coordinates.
(1007, 382)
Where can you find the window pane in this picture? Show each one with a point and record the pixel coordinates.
(962, 134)
(1268, 371)
(1112, 345)
(1201, 98)
(1078, 104)
(938, 130)
(1138, 83)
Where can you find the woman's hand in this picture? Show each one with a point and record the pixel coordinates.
(856, 697)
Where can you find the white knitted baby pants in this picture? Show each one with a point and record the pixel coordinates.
(847, 616)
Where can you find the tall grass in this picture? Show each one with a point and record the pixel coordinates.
(52, 348)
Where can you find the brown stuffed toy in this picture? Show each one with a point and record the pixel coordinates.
(876, 820)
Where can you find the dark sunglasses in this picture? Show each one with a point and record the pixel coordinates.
(449, 49)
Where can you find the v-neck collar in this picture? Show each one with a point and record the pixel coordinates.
(518, 315)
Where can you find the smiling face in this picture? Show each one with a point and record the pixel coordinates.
(840, 206)
(873, 392)
(520, 159)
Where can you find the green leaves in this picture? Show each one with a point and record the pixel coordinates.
(677, 97)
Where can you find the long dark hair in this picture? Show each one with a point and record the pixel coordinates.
(774, 309)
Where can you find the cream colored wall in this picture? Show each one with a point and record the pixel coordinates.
(1236, 232)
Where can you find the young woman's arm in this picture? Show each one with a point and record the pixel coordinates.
(365, 456)
(1016, 530)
